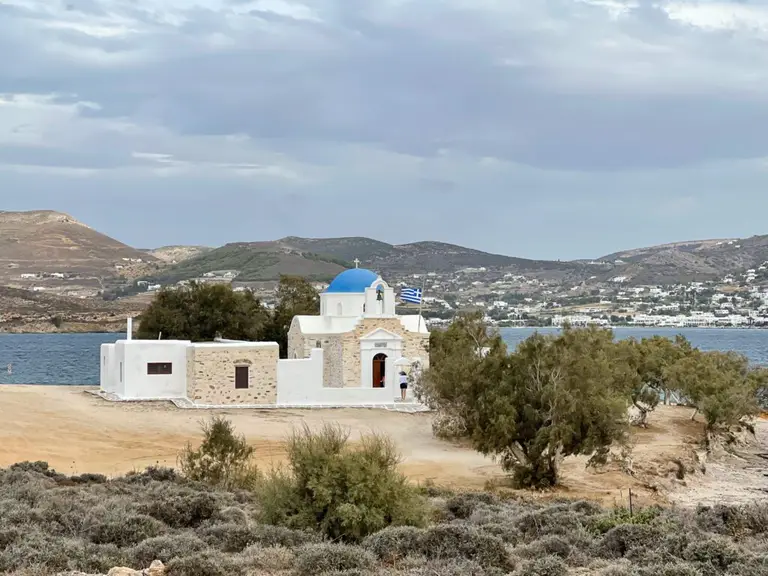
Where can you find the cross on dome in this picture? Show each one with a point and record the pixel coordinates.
(357, 262)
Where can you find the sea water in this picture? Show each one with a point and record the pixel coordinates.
(73, 359)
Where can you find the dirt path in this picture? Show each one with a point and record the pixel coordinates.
(77, 432)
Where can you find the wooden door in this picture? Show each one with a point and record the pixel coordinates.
(378, 370)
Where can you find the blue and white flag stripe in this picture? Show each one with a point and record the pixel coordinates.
(411, 295)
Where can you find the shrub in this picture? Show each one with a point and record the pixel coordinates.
(228, 537)
(165, 548)
(464, 541)
(462, 505)
(222, 460)
(182, 508)
(450, 567)
(270, 559)
(621, 540)
(319, 558)
(393, 543)
(152, 474)
(554, 520)
(601, 524)
(549, 545)
(345, 493)
(544, 566)
(124, 531)
(207, 563)
(266, 535)
(715, 551)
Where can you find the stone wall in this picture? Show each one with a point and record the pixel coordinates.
(333, 358)
(213, 373)
(296, 341)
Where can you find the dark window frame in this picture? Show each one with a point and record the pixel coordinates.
(239, 370)
(159, 368)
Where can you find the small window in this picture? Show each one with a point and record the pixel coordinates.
(156, 368)
(241, 377)
(318, 344)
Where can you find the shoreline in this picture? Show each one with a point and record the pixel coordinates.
(121, 330)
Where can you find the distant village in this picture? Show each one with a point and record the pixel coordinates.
(509, 299)
(515, 300)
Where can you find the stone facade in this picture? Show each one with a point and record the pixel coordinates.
(414, 344)
(296, 341)
(211, 373)
(341, 352)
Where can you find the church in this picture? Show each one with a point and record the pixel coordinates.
(365, 344)
(348, 356)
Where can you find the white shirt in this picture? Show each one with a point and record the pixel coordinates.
(403, 379)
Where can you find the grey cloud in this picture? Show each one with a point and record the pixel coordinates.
(422, 81)
(476, 121)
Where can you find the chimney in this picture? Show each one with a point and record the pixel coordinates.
(129, 330)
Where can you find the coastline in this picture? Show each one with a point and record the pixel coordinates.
(41, 327)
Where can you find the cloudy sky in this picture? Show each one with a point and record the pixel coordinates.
(537, 128)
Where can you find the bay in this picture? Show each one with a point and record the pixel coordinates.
(73, 359)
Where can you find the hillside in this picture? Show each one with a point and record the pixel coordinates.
(176, 254)
(253, 262)
(48, 242)
(323, 258)
(697, 260)
(26, 311)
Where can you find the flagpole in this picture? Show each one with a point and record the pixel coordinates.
(421, 301)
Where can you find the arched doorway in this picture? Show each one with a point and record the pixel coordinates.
(379, 363)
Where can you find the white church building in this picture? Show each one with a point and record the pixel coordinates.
(349, 355)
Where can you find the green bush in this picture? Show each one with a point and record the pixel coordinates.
(321, 558)
(602, 523)
(223, 459)
(344, 492)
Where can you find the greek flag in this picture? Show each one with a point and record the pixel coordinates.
(411, 295)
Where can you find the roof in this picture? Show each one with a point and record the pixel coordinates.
(353, 280)
(338, 325)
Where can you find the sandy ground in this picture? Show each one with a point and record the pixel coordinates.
(77, 432)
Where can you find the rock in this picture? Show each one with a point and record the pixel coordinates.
(155, 569)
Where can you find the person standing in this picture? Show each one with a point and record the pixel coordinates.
(403, 384)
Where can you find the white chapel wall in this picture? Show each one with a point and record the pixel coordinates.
(109, 372)
(137, 384)
(300, 383)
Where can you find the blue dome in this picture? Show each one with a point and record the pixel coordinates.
(352, 280)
